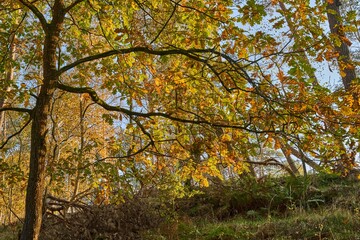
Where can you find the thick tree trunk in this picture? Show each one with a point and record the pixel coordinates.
(39, 129)
(36, 181)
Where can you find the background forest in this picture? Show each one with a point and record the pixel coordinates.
(104, 101)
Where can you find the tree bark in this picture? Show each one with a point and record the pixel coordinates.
(6, 85)
(344, 60)
(347, 71)
(39, 128)
(289, 159)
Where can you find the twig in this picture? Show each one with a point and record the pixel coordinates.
(13, 135)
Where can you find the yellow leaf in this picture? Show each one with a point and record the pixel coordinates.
(226, 138)
(204, 182)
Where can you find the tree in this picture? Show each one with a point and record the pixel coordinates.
(51, 30)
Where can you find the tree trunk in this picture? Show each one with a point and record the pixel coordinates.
(347, 71)
(81, 148)
(289, 159)
(347, 68)
(303, 158)
(36, 181)
(7, 83)
(39, 129)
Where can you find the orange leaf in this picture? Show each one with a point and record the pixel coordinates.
(277, 144)
(281, 76)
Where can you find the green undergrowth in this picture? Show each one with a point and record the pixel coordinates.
(9, 232)
(335, 224)
(320, 206)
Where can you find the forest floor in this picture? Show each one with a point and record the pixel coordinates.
(315, 207)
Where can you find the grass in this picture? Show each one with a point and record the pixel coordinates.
(9, 232)
(316, 224)
(319, 207)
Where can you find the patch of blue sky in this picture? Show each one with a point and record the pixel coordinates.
(326, 72)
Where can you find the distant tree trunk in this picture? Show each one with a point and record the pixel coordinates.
(39, 128)
(346, 66)
(81, 147)
(9, 75)
(289, 159)
(303, 158)
(10, 204)
(347, 71)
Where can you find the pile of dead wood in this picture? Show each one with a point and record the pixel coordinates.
(113, 222)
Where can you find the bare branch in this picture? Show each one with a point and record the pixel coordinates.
(300, 155)
(129, 155)
(141, 6)
(59, 202)
(118, 157)
(17, 133)
(14, 109)
(142, 128)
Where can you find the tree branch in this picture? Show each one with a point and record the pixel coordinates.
(272, 162)
(17, 133)
(94, 96)
(197, 10)
(118, 157)
(300, 155)
(37, 13)
(142, 128)
(166, 23)
(14, 109)
(189, 53)
(71, 6)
